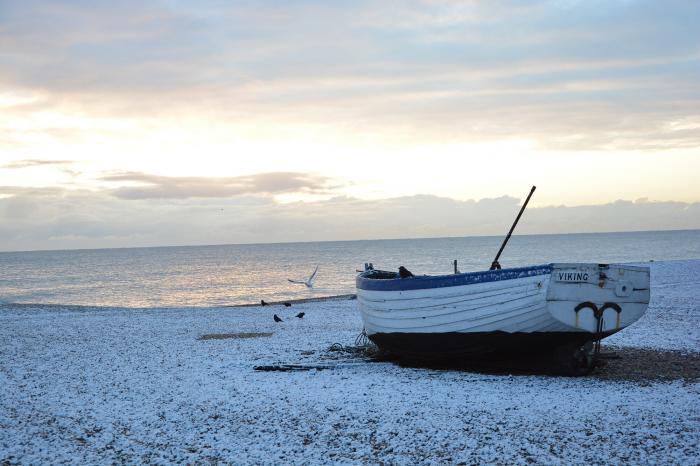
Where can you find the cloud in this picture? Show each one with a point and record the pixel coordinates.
(10, 191)
(572, 75)
(170, 187)
(58, 218)
(28, 163)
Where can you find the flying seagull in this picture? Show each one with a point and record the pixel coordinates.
(309, 282)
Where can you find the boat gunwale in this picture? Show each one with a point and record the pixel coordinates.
(363, 282)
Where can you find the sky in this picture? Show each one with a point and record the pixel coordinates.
(140, 123)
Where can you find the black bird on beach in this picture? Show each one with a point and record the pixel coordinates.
(287, 304)
(300, 315)
(277, 318)
(404, 272)
(263, 303)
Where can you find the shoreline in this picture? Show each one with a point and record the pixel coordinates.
(339, 297)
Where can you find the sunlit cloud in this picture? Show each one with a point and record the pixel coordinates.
(35, 163)
(429, 70)
(165, 187)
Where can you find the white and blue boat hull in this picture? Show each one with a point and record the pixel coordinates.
(527, 309)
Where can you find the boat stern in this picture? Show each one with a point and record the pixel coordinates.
(598, 298)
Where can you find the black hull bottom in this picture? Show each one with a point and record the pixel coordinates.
(470, 345)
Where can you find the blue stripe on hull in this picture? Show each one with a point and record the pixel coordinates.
(362, 282)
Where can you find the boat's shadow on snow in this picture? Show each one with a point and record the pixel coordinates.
(617, 364)
(639, 365)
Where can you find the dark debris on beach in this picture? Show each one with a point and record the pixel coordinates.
(644, 366)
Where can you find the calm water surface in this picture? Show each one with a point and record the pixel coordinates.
(238, 274)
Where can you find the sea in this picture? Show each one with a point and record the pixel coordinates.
(226, 275)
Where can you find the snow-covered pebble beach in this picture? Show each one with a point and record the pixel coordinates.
(111, 385)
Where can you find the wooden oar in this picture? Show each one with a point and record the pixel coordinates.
(495, 265)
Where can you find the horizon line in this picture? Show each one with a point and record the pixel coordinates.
(345, 241)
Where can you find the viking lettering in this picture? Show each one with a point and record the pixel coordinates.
(572, 276)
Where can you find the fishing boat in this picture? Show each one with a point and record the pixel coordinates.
(562, 309)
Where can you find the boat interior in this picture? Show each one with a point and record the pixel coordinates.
(380, 275)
